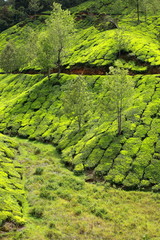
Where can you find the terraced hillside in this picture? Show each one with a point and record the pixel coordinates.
(33, 109)
(57, 169)
(12, 194)
(93, 50)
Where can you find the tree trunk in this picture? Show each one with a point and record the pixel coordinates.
(119, 117)
(120, 123)
(49, 73)
(145, 11)
(59, 71)
(138, 12)
(59, 63)
(79, 123)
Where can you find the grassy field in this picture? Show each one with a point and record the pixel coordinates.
(63, 206)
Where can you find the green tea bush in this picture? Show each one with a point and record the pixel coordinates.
(79, 169)
(12, 194)
(94, 158)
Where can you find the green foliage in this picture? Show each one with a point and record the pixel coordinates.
(96, 146)
(12, 194)
(32, 107)
(34, 6)
(39, 171)
(76, 100)
(10, 59)
(45, 52)
(79, 169)
(60, 26)
(58, 201)
(118, 88)
(37, 212)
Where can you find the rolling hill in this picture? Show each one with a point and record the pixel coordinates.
(96, 158)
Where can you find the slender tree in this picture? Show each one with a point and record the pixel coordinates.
(45, 53)
(60, 26)
(120, 40)
(136, 5)
(34, 6)
(117, 90)
(76, 99)
(11, 58)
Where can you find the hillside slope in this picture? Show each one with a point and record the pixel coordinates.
(62, 206)
(74, 179)
(130, 160)
(96, 47)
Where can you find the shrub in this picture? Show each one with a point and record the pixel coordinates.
(54, 234)
(52, 225)
(156, 188)
(79, 169)
(94, 158)
(36, 212)
(50, 195)
(38, 171)
(78, 211)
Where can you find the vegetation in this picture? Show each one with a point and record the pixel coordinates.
(118, 93)
(12, 194)
(60, 26)
(76, 99)
(64, 206)
(31, 107)
(11, 58)
(92, 99)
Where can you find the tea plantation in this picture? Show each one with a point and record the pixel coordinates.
(62, 181)
(32, 108)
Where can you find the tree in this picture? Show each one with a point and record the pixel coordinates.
(135, 4)
(144, 7)
(76, 99)
(11, 58)
(70, 3)
(34, 6)
(117, 91)
(120, 40)
(149, 7)
(21, 3)
(45, 55)
(2, 2)
(60, 26)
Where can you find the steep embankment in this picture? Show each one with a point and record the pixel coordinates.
(130, 160)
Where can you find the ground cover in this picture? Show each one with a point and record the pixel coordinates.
(64, 206)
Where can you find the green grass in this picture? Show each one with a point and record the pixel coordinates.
(64, 206)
